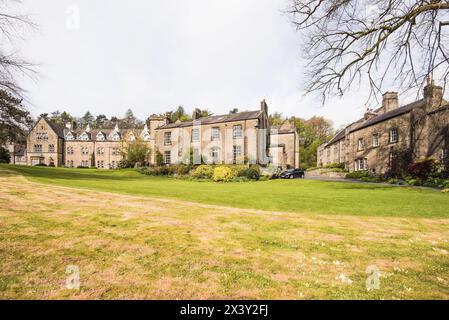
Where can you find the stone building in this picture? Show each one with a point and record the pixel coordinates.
(223, 139)
(372, 143)
(45, 144)
(284, 145)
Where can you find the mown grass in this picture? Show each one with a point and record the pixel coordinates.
(131, 247)
(278, 195)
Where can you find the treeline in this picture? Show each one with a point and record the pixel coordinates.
(129, 120)
(312, 133)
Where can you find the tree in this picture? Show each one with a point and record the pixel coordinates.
(312, 133)
(135, 152)
(56, 117)
(5, 157)
(66, 118)
(276, 119)
(12, 26)
(101, 121)
(206, 113)
(14, 118)
(372, 41)
(130, 121)
(87, 119)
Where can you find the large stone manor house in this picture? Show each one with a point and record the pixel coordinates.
(232, 138)
(371, 143)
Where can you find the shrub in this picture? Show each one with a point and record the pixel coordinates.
(423, 170)
(239, 170)
(335, 165)
(253, 172)
(358, 175)
(182, 170)
(223, 174)
(124, 164)
(413, 182)
(203, 172)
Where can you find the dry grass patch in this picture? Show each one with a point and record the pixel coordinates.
(142, 248)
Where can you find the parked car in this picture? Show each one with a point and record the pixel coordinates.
(292, 174)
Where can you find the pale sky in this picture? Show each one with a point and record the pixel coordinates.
(154, 55)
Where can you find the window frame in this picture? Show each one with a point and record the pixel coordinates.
(168, 138)
(396, 135)
(237, 134)
(376, 138)
(215, 134)
(169, 157)
(360, 144)
(195, 135)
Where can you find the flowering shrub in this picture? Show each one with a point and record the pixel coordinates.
(203, 172)
(223, 174)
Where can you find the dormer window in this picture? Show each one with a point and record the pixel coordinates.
(69, 136)
(115, 136)
(84, 137)
(100, 136)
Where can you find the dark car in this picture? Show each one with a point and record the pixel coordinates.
(292, 174)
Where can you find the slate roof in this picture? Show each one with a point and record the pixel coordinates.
(59, 130)
(340, 135)
(389, 115)
(240, 116)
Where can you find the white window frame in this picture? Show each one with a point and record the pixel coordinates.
(195, 135)
(394, 135)
(215, 158)
(167, 157)
(215, 134)
(167, 138)
(361, 164)
(237, 131)
(376, 140)
(237, 152)
(360, 144)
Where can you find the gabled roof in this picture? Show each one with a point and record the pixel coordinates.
(391, 114)
(240, 116)
(59, 130)
(286, 127)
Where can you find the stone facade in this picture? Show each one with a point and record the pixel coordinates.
(45, 144)
(371, 143)
(284, 146)
(224, 139)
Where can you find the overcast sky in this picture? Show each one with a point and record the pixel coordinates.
(154, 55)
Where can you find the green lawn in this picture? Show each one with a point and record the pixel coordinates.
(129, 247)
(302, 196)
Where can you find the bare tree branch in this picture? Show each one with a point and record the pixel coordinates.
(372, 41)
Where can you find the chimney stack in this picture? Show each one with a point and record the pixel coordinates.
(196, 114)
(264, 106)
(433, 92)
(390, 101)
